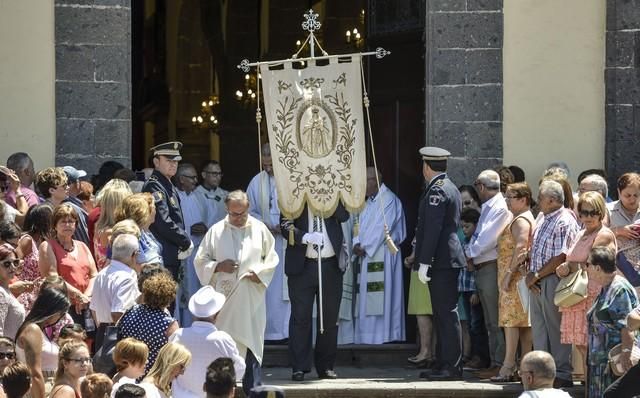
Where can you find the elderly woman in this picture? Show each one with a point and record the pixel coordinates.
(141, 209)
(69, 258)
(624, 213)
(109, 200)
(512, 243)
(150, 322)
(11, 311)
(607, 318)
(591, 210)
(50, 306)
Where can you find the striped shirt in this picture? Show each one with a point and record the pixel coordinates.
(554, 236)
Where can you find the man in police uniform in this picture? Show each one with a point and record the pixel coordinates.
(439, 257)
(168, 227)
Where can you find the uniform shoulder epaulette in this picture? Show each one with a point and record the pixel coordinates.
(152, 178)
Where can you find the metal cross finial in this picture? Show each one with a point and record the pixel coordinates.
(311, 24)
(244, 65)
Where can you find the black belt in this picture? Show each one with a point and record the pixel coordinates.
(484, 264)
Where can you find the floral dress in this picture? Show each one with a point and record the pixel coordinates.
(606, 319)
(31, 273)
(510, 312)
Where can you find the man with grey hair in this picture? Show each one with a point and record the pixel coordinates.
(552, 238)
(482, 254)
(538, 370)
(237, 257)
(22, 165)
(594, 182)
(115, 289)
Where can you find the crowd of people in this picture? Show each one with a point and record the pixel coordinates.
(149, 277)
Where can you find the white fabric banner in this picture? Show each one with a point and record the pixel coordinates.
(316, 135)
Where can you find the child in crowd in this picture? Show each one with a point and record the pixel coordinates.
(129, 391)
(130, 357)
(16, 380)
(96, 385)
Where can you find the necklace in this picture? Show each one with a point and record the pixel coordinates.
(73, 246)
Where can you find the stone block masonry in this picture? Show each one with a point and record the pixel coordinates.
(463, 40)
(622, 80)
(93, 82)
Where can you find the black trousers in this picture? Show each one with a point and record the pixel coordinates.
(444, 300)
(627, 386)
(303, 289)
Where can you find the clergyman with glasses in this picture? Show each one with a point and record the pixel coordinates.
(237, 257)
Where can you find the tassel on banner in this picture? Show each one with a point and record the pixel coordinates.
(291, 238)
(393, 249)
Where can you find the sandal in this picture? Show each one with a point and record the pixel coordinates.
(507, 374)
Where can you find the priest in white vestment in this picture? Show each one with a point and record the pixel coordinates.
(195, 215)
(211, 192)
(380, 313)
(237, 257)
(263, 198)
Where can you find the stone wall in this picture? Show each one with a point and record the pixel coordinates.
(622, 79)
(93, 82)
(463, 41)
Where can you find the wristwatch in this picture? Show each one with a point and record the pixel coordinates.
(537, 275)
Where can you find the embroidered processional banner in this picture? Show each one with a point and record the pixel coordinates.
(316, 135)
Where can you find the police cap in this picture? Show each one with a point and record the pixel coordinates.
(168, 149)
(434, 153)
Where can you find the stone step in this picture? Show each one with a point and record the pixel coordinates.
(379, 382)
(358, 355)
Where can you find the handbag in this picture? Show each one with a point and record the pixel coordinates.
(614, 359)
(571, 289)
(103, 358)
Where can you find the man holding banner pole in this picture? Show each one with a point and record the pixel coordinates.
(314, 239)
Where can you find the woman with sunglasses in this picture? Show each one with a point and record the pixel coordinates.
(11, 311)
(34, 347)
(7, 353)
(172, 359)
(73, 364)
(591, 210)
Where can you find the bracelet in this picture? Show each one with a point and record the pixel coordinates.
(626, 350)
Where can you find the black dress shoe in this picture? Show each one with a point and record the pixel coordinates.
(445, 375)
(297, 376)
(562, 383)
(327, 374)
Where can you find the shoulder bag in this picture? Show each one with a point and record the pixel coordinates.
(103, 358)
(614, 359)
(571, 289)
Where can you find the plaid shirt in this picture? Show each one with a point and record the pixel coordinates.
(466, 279)
(552, 237)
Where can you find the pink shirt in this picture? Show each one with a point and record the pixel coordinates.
(30, 196)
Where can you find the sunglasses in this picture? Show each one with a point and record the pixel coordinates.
(4, 188)
(7, 355)
(588, 213)
(10, 263)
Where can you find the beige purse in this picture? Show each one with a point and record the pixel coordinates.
(614, 359)
(571, 289)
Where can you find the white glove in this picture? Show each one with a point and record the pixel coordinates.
(314, 238)
(423, 273)
(185, 254)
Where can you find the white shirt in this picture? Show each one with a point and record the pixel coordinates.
(121, 381)
(327, 247)
(206, 343)
(151, 391)
(115, 290)
(545, 393)
(494, 217)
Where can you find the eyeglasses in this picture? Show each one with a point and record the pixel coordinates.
(521, 372)
(7, 355)
(193, 178)
(213, 173)
(11, 263)
(80, 361)
(233, 214)
(63, 186)
(588, 213)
